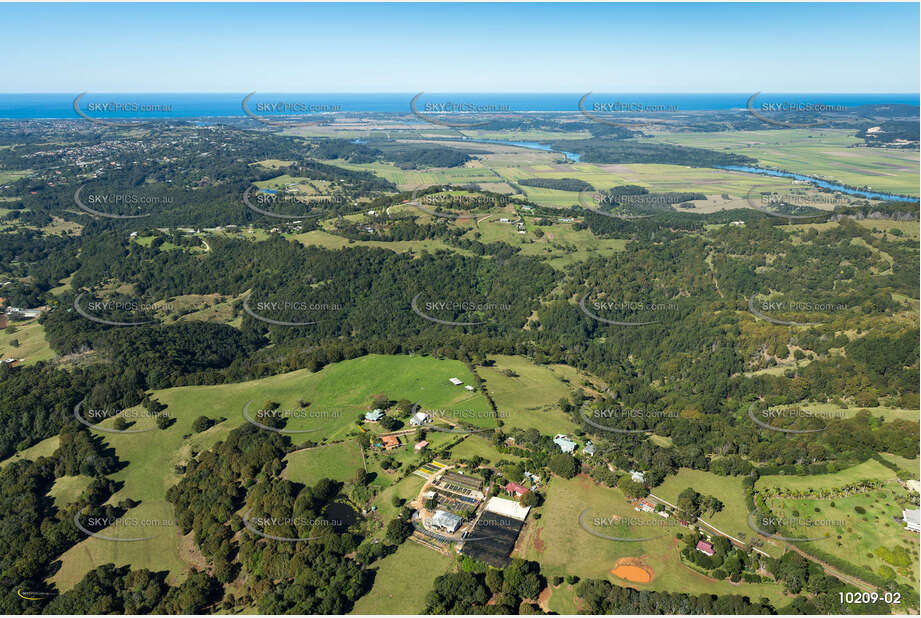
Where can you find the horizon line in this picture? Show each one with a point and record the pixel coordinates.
(412, 92)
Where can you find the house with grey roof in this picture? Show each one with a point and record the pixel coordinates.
(566, 445)
(374, 415)
(448, 522)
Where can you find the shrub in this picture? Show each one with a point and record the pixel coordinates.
(201, 423)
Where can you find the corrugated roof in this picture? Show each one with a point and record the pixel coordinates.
(705, 547)
(444, 519)
(508, 508)
(566, 445)
(516, 488)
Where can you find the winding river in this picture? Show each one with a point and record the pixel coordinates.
(820, 183)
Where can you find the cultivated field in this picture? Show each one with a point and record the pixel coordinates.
(864, 529)
(833, 154)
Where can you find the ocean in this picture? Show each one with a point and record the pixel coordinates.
(197, 105)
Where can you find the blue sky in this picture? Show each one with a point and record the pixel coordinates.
(707, 47)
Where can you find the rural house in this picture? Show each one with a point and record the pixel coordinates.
(705, 548)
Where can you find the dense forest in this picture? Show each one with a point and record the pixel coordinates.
(621, 151)
(558, 184)
(404, 156)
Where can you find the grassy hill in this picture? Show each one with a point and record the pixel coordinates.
(152, 456)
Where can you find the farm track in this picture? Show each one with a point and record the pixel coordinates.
(735, 541)
(834, 572)
(829, 569)
(313, 448)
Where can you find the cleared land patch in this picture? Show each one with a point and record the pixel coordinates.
(563, 547)
(402, 580)
(338, 461)
(30, 343)
(529, 397)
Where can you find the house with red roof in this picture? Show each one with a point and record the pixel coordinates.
(705, 548)
(514, 489)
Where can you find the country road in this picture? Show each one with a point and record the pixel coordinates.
(711, 526)
(829, 569)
